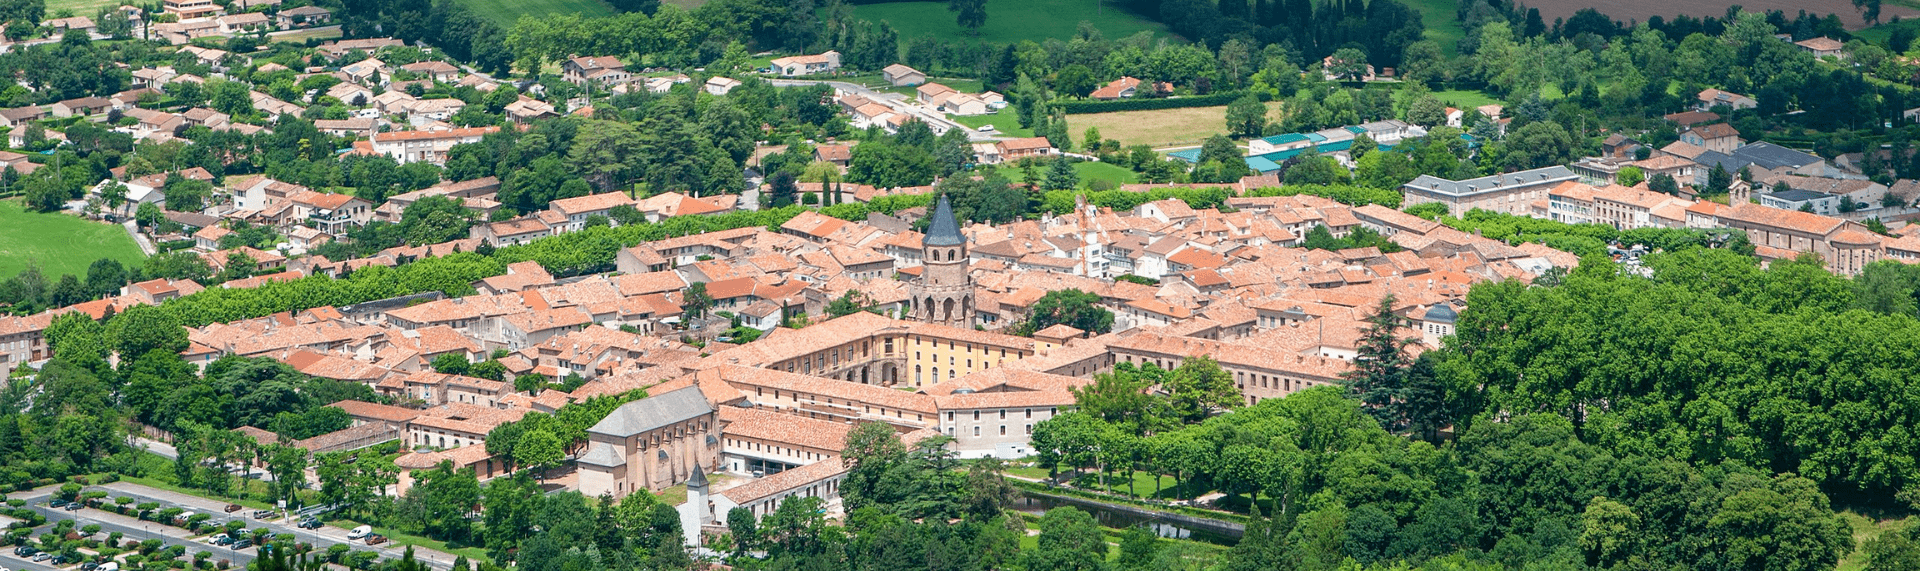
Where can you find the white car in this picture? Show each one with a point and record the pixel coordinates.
(987, 129)
(360, 532)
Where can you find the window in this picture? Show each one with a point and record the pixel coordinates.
(1029, 413)
(1029, 429)
(976, 431)
(1003, 414)
(976, 416)
(1003, 430)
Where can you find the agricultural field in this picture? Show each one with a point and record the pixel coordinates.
(59, 243)
(1158, 127)
(1088, 170)
(1009, 22)
(1640, 10)
(506, 12)
(79, 7)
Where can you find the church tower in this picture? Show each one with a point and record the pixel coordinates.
(944, 293)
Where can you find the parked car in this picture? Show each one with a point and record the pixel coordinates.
(242, 544)
(376, 539)
(25, 551)
(234, 508)
(75, 506)
(222, 539)
(262, 514)
(57, 503)
(360, 532)
(59, 560)
(42, 556)
(310, 523)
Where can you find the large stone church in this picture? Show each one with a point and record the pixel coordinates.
(944, 292)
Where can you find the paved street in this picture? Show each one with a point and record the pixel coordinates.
(130, 528)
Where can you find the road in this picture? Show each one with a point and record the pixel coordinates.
(321, 539)
(932, 118)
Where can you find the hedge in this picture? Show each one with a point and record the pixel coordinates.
(175, 245)
(1144, 104)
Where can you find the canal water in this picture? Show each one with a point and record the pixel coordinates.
(1168, 525)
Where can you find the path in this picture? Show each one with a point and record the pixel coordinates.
(133, 231)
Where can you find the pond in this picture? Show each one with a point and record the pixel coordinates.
(1168, 525)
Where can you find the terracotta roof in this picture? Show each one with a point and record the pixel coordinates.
(456, 133)
(590, 203)
(788, 480)
(784, 428)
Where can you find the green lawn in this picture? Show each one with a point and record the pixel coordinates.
(303, 36)
(1878, 34)
(1865, 528)
(506, 12)
(59, 243)
(1462, 99)
(1010, 22)
(79, 7)
(397, 539)
(1441, 25)
(1004, 120)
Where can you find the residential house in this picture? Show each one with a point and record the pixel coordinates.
(837, 154)
(304, 16)
(430, 145)
(243, 23)
(20, 116)
(717, 85)
(84, 107)
(367, 72)
(791, 66)
(358, 127)
(1122, 88)
(899, 75)
(605, 70)
(332, 213)
(76, 23)
(1718, 137)
(188, 9)
(439, 71)
(1016, 149)
(1709, 98)
(1823, 47)
(578, 209)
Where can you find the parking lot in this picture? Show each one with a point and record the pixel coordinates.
(132, 528)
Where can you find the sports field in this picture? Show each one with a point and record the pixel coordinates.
(1009, 21)
(506, 12)
(1159, 127)
(60, 243)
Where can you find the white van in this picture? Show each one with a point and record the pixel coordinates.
(109, 566)
(360, 532)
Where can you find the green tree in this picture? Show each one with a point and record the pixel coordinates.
(1198, 387)
(697, 301)
(1246, 117)
(1379, 372)
(451, 364)
(1061, 175)
(144, 328)
(1664, 184)
(1427, 111)
(1629, 176)
(1070, 540)
(972, 14)
(1072, 307)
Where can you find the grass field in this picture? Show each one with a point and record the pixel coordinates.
(1442, 28)
(1159, 127)
(59, 243)
(1004, 120)
(1009, 22)
(506, 12)
(1865, 528)
(302, 37)
(79, 7)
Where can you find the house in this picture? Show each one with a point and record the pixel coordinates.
(871, 115)
(188, 9)
(303, 16)
(359, 127)
(791, 66)
(837, 154)
(20, 116)
(1016, 149)
(721, 85)
(902, 76)
(1709, 98)
(930, 93)
(242, 23)
(440, 71)
(578, 209)
(181, 32)
(430, 145)
(1117, 89)
(606, 70)
(332, 213)
(1718, 137)
(204, 117)
(527, 109)
(76, 23)
(368, 72)
(340, 49)
(1822, 47)
(83, 106)
(427, 111)
(964, 104)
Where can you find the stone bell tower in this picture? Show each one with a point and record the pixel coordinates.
(944, 292)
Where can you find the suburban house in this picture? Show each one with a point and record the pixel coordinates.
(807, 65)
(1117, 89)
(303, 16)
(902, 76)
(188, 9)
(436, 70)
(242, 23)
(721, 85)
(430, 145)
(1718, 137)
(603, 69)
(1709, 98)
(1823, 47)
(1016, 149)
(580, 208)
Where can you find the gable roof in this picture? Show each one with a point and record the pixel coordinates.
(654, 412)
